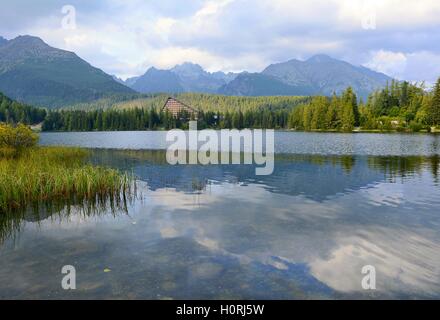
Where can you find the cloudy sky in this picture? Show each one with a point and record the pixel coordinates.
(125, 37)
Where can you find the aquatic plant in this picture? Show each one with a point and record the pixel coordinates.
(44, 174)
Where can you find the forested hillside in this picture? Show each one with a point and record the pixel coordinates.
(399, 106)
(201, 101)
(144, 113)
(36, 73)
(215, 111)
(210, 102)
(14, 112)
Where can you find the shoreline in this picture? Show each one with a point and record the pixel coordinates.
(372, 131)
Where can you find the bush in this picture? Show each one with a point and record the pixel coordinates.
(14, 140)
(415, 126)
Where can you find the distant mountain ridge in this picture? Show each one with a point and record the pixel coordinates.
(3, 41)
(258, 84)
(324, 75)
(155, 80)
(319, 75)
(186, 77)
(33, 72)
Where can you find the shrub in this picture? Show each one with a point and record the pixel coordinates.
(415, 126)
(14, 140)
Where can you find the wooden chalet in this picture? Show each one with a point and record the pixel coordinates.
(175, 107)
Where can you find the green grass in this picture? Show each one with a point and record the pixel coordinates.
(44, 174)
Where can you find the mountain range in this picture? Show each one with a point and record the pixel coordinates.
(320, 74)
(186, 77)
(33, 72)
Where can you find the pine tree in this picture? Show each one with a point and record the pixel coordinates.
(434, 109)
(350, 113)
(404, 94)
(307, 117)
(331, 118)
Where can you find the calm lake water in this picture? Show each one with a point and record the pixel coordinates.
(335, 203)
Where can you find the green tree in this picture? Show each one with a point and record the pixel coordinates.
(350, 112)
(331, 117)
(434, 109)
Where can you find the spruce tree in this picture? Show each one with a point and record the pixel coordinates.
(434, 110)
(350, 113)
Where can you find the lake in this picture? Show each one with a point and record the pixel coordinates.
(334, 204)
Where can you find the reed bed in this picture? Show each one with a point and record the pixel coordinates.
(44, 174)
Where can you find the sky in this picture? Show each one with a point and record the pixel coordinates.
(125, 37)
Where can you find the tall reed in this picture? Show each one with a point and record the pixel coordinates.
(44, 174)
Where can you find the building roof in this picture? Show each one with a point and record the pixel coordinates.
(176, 103)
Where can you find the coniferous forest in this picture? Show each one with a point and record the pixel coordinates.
(15, 112)
(400, 106)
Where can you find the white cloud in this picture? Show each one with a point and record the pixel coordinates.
(423, 66)
(415, 66)
(391, 63)
(127, 37)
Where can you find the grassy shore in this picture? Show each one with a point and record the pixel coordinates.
(42, 174)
